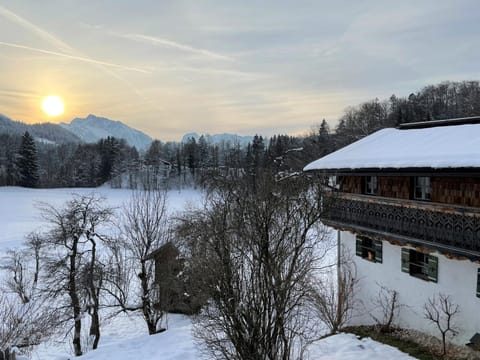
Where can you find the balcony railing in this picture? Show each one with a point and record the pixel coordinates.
(452, 227)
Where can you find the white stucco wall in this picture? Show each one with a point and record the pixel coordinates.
(457, 278)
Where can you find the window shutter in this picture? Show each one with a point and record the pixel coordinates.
(478, 283)
(378, 251)
(432, 268)
(358, 249)
(406, 260)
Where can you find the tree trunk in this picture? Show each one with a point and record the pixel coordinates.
(72, 284)
(95, 327)
(95, 324)
(146, 302)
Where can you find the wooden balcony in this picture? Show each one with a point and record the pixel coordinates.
(448, 228)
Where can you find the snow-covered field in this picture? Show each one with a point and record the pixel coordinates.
(19, 214)
(125, 336)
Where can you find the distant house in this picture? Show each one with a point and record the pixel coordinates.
(171, 292)
(167, 285)
(407, 206)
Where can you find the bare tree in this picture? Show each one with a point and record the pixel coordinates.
(23, 267)
(441, 311)
(69, 270)
(254, 254)
(334, 296)
(18, 281)
(388, 306)
(144, 228)
(23, 324)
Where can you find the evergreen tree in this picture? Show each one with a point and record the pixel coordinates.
(27, 162)
(154, 153)
(109, 152)
(203, 153)
(258, 152)
(324, 129)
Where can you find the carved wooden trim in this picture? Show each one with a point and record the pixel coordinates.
(450, 227)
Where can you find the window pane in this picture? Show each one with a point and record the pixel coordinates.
(422, 188)
(370, 184)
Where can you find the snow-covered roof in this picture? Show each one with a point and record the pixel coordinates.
(440, 147)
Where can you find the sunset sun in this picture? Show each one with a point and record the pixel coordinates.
(53, 105)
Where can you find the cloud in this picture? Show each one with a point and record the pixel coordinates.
(173, 45)
(74, 57)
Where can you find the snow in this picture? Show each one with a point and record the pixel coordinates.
(125, 336)
(349, 347)
(19, 215)
(93, 128)
(437, 147)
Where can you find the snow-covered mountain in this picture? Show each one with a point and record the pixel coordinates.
(46, 132)
(219, 138)
(93, 128)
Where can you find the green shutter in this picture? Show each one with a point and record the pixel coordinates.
(478, 283)
(406, 260)
(358, 249)
(377, 244)
(432, 268)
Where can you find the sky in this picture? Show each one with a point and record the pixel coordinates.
(214, 66)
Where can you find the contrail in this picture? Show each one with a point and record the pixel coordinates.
(74, 57)
(35, 29)
(67, 51)
(17, 93)
(174, 45)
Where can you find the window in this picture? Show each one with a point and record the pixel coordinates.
(478, 283)
(335, 182)
(369, 249)
(422, 188)
(370, 185)
(420, 265)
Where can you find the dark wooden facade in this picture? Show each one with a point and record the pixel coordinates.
(173, 291)
(449, 221)
(444, 189)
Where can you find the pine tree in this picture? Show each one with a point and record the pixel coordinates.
(324, 128)
(27, 162)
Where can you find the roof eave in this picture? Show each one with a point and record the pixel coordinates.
(409, 171)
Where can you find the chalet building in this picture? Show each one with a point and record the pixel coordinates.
(406, 204)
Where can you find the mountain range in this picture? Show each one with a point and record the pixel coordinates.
(46, 132)
(219, 138)
(93, 128)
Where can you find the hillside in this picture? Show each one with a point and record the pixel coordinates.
(46, 131)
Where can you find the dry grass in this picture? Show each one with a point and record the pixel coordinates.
(415, 343)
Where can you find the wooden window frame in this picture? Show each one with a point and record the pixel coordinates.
(478, 283)
(370, 187)
(369, 249)
(423, 183)
(420, 265)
